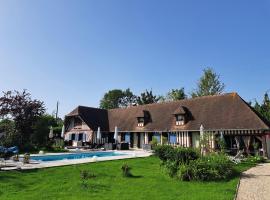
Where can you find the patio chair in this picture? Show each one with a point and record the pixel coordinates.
(237, 159)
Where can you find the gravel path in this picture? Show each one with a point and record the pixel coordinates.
(255, 183)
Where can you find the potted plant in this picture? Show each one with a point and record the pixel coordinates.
(256, 148)
(26, 158)
(15, 158)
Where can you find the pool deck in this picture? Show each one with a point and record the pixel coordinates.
(42, 164)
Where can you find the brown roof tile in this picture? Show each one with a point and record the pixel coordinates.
(181, 110)
(227, 111)
(93, 117)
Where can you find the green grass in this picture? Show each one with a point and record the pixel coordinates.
(149, 182)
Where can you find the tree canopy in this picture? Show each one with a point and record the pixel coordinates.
(176, 94)
(41, 129)
(209, 84)
(23, 110)
(117, 98)
(8, 132)
(264, 108)
(147, 97)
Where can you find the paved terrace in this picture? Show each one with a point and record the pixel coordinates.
(38, 164)
(255, 183)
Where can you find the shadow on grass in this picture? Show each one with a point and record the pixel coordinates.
(27, 171)
(134, 176)
(94, 187)
(97, 187)
(16, 182)
(5, 176)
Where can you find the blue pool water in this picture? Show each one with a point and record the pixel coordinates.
(75, 156)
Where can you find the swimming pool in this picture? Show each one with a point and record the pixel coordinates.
(72, 156)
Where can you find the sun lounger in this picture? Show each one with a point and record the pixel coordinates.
(237, 159)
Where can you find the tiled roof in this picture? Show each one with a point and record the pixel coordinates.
(226, 111)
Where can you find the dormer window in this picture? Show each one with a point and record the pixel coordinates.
(140, 121)
(180, 116)
(180, 120)
(143, 118)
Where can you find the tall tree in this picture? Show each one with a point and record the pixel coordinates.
(128, 98)
(41, 129)
(8, 136)
(209, 84)
(264, 108)
(147, 97)
(117, 98)
(176, 94)
(23, 110)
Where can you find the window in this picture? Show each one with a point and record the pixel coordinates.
(80, 137)
(172, 138)
(127, 137)
(180, 120)
(73, 136)
(140, 121)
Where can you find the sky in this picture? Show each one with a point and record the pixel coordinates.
(73, 51)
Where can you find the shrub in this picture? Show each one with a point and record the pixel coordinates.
(6, 155)
(178, 155)
(185, 155)
(171, 168)
(164, 140)
(173, 158)
(126, 170)
(186, 164)
(54, 149)
(184, 172)
(85, 175)
(164, 152)
(211, 167)
(154, 142)
(254, 159)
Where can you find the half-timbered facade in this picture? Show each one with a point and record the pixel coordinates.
(176, 123)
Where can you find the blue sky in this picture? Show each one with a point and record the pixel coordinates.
(75, 50)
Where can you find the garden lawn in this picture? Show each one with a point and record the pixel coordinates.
(149, 182)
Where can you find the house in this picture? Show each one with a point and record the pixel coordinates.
(177, 122)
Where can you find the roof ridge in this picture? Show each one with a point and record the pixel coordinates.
(177, 101)
(80, 106)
